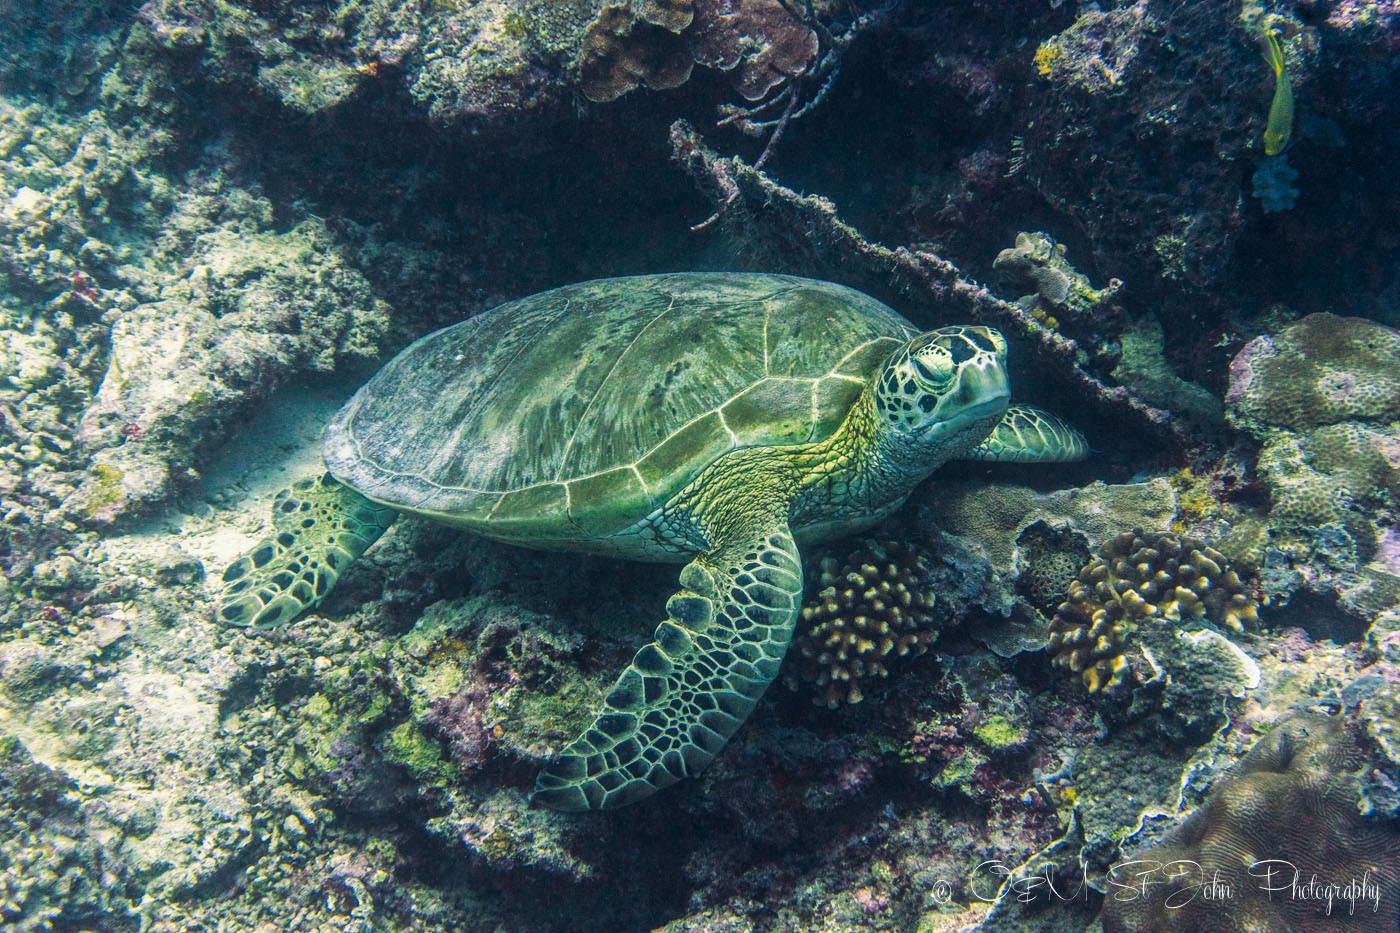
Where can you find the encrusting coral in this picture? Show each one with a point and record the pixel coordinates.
(1135, 578)
(625, 49)
(1323, 369)
(656, 43)
(875, 607)
(1282, 834)
(1322, 395)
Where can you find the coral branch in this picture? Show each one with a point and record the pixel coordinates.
(804, 234)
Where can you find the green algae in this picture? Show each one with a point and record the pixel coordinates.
(999, 733)
(406, 745)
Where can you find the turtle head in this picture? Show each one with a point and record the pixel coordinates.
(945, 389)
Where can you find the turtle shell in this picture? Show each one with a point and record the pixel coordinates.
(576, 412)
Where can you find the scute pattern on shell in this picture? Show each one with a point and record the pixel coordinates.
(871, 609)
(660, 372)
(1136, 578)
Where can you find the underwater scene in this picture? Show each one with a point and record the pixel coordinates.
(514, 466)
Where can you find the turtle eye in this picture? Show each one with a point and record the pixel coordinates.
(933, 367)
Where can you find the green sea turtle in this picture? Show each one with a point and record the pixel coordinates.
(710, 419)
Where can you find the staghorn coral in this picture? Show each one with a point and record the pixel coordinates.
(1278, 834)
(1133, 579)
(875, 607)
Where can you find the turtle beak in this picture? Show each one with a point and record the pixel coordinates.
(983, 391)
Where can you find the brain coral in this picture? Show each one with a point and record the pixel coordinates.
(1135, 578)
(1323, 369)
(875, 607)
(1273, 839)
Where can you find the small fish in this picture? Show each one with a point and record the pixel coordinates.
(1280, 125)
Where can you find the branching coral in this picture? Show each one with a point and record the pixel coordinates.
(875, 607)
(1136, 578)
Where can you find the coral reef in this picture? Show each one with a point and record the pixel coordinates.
(1323, 398)
(1049, 554)
(624, 50)
(488, 63)
(52, 872)
(873, 608)
(1199, 118)
(491, 61)
(204, 200)
(1321, 370)
(141, 315)
(1056, 288)
(1016, 549)
(1279, 844)
(1143, 367)
(1132, 348)
(1138, 580)
(761, 43)
(257, 306)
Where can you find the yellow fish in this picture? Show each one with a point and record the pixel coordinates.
(1280, 125)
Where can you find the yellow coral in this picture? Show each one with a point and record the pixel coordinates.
(875, 607)
(1135, 578)
(1048, 58)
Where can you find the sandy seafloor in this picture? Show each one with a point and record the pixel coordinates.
(218, 219)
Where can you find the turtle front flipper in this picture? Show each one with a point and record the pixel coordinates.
(687, 692)
(322, 526)
(1030, 435)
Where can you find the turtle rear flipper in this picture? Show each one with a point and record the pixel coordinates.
(322, 526)
(1026, 434)
(687, 692)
